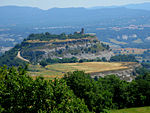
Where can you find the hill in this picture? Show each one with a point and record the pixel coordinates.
(39, 47)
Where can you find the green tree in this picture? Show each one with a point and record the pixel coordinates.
(19, 93)
(43, 63)
(86, 88)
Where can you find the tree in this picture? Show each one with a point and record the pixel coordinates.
(104, 59)
(86, 88)
(43, 63)
(19, 93)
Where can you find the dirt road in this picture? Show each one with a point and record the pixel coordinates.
(20, 57)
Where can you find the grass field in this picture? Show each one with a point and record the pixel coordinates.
(117, 42)
(138, 41)
(132, 110)
(58, 70)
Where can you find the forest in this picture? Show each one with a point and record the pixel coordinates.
(76, 92)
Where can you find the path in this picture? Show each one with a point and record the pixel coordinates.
(20, 57)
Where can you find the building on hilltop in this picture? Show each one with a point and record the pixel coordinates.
(80, 32)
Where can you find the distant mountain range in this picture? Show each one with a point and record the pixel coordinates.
(114, 24)
(143, 6)
(75, 16)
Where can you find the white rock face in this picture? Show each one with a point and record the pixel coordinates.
(148, 38)
(124, 37)
(124, 74)
(86, 48)
(106, 54)
(134, 35)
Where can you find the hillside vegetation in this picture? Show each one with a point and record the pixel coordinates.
(10, 59)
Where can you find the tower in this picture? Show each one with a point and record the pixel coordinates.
(82, 31)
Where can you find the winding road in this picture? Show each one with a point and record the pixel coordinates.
(20, 57)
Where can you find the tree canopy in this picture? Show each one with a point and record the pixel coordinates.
(77, 92)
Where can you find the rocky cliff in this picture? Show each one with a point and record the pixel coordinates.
(125, 74)
(81, 46)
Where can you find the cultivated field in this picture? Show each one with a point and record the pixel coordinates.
(117, 42)
(58, 70)
(132, 110)
(130, 50)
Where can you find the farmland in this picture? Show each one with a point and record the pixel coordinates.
(58, 70)
(129, 51)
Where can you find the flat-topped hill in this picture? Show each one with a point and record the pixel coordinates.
(38, 47)
(42, 46)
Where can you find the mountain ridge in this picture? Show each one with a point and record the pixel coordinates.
(31, 16)
(143, 6)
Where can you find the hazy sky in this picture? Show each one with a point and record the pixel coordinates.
(46, 4)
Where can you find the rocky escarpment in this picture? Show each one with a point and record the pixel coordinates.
(85, 47)
(128, 74)
(81, 50)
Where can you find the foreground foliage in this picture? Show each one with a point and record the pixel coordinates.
(110, 92)
(76, 92)
(21, 94)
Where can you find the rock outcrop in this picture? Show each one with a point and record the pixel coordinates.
(125, 74)
(88, 47)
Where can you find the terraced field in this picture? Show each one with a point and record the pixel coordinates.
(58, 70)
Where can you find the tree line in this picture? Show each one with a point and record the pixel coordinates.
(69, 60)
(48, 36)
(123, 58)
(117, 58)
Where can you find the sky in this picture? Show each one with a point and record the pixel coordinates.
(47, 4)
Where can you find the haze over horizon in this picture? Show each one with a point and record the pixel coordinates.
(47, 4)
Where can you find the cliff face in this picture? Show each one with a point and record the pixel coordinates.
(83, 48)
(128, 74)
